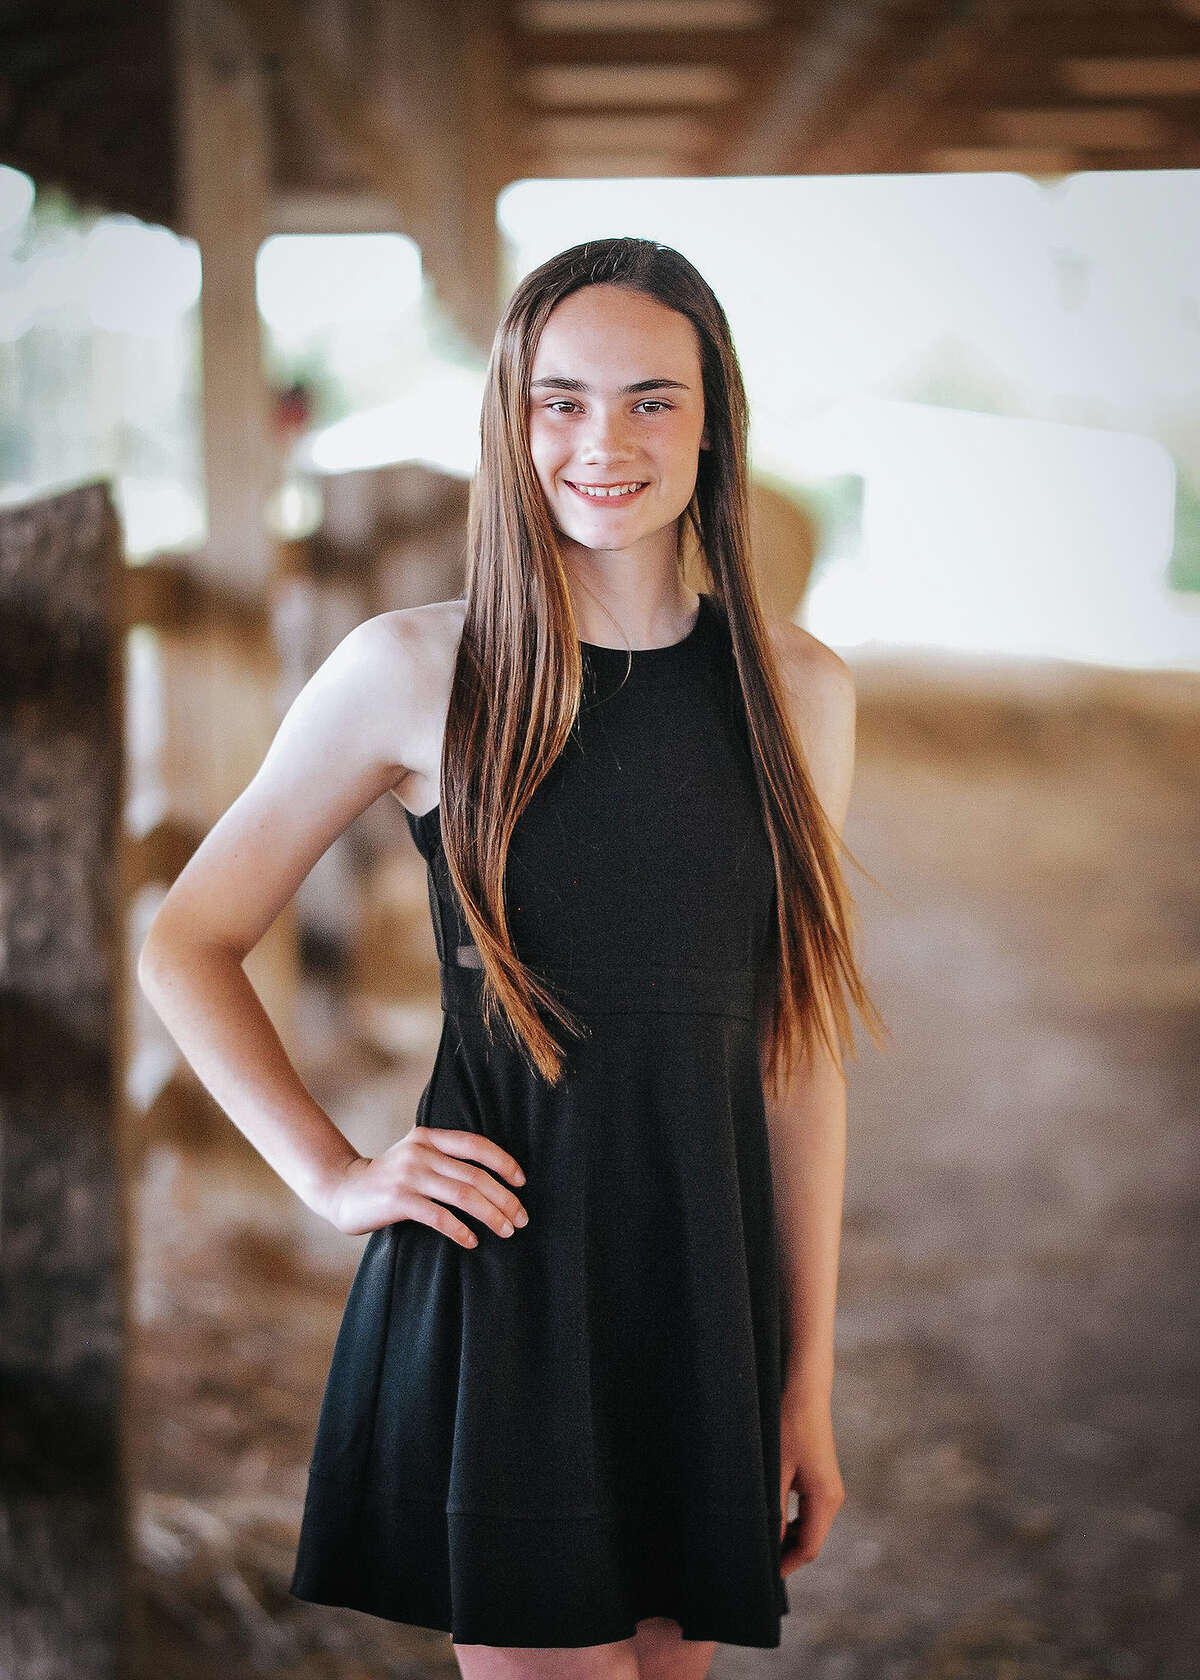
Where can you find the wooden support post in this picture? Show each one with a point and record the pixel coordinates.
(488, 165)
(225, 201)
(221, 691)
(64, 1520)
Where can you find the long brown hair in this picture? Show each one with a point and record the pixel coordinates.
(517, 680)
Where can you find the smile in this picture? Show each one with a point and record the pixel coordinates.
(608, 493)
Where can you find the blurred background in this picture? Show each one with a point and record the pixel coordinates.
(252, 253)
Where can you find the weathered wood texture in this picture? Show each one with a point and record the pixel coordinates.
(63, 1518)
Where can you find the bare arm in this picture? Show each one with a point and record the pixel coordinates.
(336, 751)
(808, 1148)
(807, 1130)
(808, 1121)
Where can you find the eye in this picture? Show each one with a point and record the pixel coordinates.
(656, 402)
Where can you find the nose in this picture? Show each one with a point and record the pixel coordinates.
(606, 439)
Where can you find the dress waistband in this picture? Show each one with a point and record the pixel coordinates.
(606, 990)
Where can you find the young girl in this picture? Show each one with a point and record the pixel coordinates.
(588, 1352)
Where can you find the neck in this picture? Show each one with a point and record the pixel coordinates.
(619, 600)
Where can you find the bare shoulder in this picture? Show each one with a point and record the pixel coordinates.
(822, 704)
(814, 674)
(414, 650)
(426, 635)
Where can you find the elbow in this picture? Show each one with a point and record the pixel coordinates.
(150, 963)
(171, 945)
(162, 950)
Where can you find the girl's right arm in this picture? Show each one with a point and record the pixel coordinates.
(337, 750)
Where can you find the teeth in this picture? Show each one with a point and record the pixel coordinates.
(615, 490)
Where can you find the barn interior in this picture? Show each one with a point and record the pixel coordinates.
(1017, 1350)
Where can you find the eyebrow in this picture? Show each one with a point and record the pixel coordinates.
(560, 382)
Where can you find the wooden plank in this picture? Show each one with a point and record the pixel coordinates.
(757, 50)
(1090, 128)
(624, 17)
(170, 594)
(581, 166)
(1119, 77)
(621, 86)
(671, 131)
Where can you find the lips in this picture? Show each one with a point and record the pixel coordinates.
(607, 501)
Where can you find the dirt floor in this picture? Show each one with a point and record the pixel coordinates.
(1016, 1398)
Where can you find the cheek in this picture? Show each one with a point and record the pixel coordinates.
(545, 446)
(539, 453)
(684, 447)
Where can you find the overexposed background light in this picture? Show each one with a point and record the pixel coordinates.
(1003, 376)
(1000, 361)
(435, 422)
(981, 533)
(306, 281)
(140, 279)
(16, 201)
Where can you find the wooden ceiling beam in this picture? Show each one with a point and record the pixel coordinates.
(986, 160)
(821, 71)
(1143, 136)
(1051, 82)
(577, 166)
(1096, 32)
(1120, 76)
(1093, 128)
(1047, 161)
(1037, 57)
(618, 117)
(684, 132)
(1015, 97)
(619, 17)
(757, 49)
(628, 86)
(884, 129)
(854, 91)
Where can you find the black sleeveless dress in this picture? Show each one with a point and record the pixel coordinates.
(543, 1440)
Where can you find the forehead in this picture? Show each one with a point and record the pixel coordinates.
(610, 332)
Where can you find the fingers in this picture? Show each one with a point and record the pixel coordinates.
(427, 1173)
(471, 1145)
(472, 1190)
(439, 1218)
(803, 1541)
(804, 1536)
(440, 1174)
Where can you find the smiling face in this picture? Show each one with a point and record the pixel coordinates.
(616, 400)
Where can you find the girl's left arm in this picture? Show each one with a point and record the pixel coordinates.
(807, 1121)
